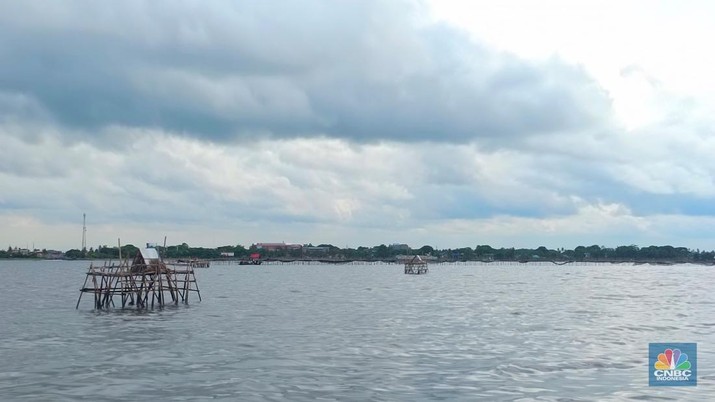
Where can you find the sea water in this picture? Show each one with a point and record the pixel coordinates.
(359, 332)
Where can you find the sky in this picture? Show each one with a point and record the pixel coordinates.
(357, 122)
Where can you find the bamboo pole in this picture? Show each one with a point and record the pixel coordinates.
(81, 291)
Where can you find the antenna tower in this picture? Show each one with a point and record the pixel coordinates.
(84, 232)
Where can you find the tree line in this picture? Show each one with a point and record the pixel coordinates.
(388, 252)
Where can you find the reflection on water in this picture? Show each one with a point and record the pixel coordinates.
(359, 332)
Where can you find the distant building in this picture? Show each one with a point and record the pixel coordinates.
(488, 257)
(316, 249)
(54, 254)
(227, 254)
(278, 246)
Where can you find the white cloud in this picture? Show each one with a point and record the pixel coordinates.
(668, 40)
(357, 124)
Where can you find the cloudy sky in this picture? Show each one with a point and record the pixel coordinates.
(509, 123)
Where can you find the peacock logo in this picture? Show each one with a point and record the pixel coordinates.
(672, 364)
(672, 359)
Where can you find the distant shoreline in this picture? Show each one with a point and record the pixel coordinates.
(495, 262)
(396, 261)
(393, 253)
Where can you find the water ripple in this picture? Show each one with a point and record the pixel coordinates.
(305, 333)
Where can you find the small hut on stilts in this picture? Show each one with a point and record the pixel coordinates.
(416, 266)
(146, 282)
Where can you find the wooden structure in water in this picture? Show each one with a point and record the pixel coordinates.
(416, 266)
(144, 283)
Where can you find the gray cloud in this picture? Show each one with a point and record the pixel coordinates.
(320, 121)
(360, 70)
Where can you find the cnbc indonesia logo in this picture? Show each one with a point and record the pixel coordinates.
(671, 365)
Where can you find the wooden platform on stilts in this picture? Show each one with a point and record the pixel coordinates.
(416, 266)
(145, 283)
